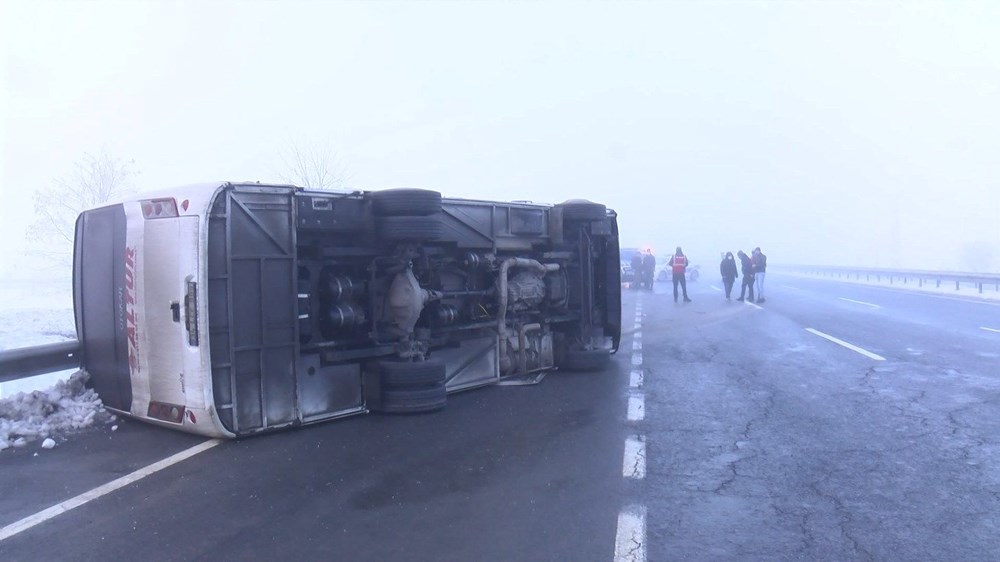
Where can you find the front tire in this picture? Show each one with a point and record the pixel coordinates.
(405, 202)
(406, 228)
(582, 210)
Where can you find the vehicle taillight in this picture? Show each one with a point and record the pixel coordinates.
(159, 208)
(173, 413)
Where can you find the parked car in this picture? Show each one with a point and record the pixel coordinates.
(628, 274)
(666, 273)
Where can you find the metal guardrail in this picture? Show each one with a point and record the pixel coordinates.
(906, 276)
(38, 360)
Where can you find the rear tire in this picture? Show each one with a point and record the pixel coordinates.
(695, 275)
(410, 374)
(405, 202)
(414, 400)
(407, 228)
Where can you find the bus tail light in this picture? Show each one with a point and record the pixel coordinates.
(165, 208)
(172, 413)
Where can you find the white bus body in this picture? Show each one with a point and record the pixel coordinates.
(229, 309)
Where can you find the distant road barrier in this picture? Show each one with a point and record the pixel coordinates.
(904, 276)
(38, 360)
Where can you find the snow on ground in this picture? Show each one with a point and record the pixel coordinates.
(41, 414)
(36, 310)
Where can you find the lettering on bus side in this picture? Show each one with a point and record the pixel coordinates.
(130, 322)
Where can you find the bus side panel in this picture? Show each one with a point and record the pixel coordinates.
(104, 300)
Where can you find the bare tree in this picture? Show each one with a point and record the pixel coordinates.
(96, 179)
(313, 166)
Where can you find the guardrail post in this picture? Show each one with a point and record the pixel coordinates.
(938, 283)
(956, 285)
(980, 288)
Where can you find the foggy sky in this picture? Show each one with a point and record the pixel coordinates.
(840, 133)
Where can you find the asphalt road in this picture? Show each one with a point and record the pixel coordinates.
(748, 438)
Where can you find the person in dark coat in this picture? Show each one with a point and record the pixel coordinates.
(637, 278)
(648, 269)
(759, 271)
(729, 274)
(746, 265)
(678, 266)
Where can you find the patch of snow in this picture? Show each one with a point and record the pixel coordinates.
(66, 406)
(114, 428)
(48, 443)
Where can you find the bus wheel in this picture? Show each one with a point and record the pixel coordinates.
(414, 400)
(586, 359)
(397, 229)
(409, 374)
(582, 210)
(662, 276)
(405, 202)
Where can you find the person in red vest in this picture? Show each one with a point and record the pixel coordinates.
(678, 265)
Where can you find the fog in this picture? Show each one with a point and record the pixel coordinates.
(853, 134)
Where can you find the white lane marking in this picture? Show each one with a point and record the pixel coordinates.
(860, 302)
(635, 378)
(73, 503)
(989, 329)
(714, 288)
(636, 345)
(748, 303)
(792, 288)
(636, 359)
(634, 460)
(852, 347)
(636, 407)
(630, 540)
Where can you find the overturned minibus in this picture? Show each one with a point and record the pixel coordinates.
(230, 309)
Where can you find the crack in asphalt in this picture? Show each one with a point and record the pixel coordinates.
(845, 517)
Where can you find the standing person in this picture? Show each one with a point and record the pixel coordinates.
(648, 268)
(729, 274)
(678, 266)
(759, 272)
(637, 274)
(746, 264)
